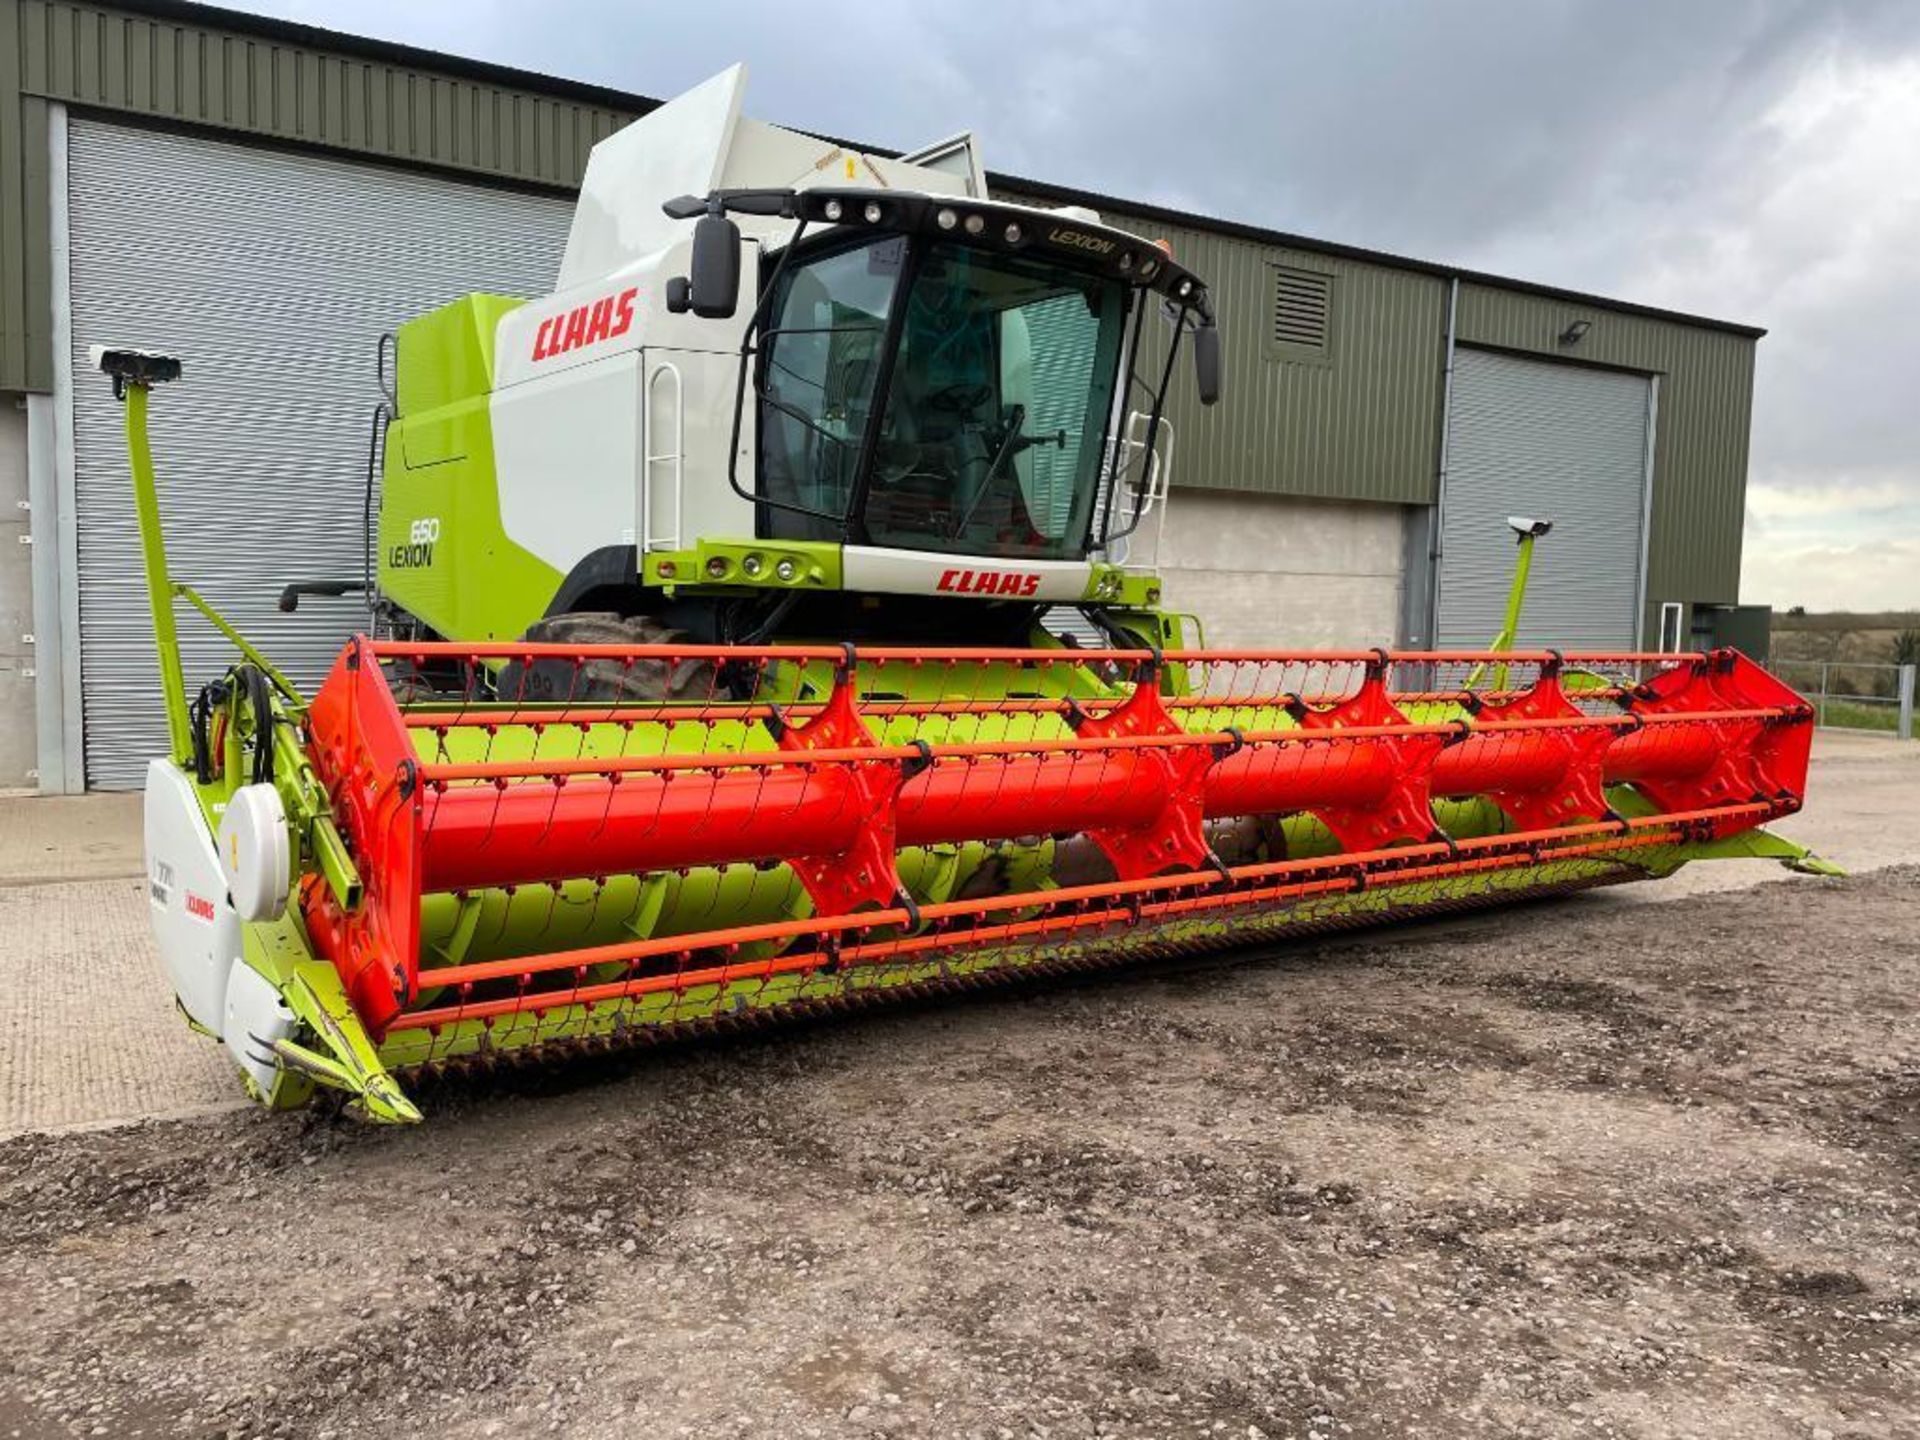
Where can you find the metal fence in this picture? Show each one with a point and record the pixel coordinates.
(1848, 695)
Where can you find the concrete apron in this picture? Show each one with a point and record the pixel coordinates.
(88, 1032)
(89, 1035)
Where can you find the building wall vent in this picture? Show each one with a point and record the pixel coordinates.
(1302, 314)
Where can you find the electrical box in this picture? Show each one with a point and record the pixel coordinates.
(1746, 628)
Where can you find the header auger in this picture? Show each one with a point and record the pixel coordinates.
(715, 670)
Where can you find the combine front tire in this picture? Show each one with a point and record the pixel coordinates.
(574, 679)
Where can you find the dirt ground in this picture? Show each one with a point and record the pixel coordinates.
(1589, 1168)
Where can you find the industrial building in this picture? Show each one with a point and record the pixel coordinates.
(267, 199)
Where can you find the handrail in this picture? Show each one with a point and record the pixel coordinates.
(648, 539)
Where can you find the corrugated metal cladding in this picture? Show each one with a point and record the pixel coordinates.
(1700, 448)
(262, 446)
(193, 73)
(1564, 443)
(19, 742)
(1361, 424)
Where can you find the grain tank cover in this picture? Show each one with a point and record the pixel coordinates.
(697, 143)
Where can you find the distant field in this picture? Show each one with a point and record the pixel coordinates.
(1843, 637)
(1892, 620)
(1856, 652)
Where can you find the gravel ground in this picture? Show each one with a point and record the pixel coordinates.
(1583, 1169)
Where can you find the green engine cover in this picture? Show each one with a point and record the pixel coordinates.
(444, 555)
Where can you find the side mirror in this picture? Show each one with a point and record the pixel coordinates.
(1207, 364)
(713, 278)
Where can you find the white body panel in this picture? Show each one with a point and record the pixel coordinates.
(958, 156)
(636, 455)
(677, 149)
(572, 409)
(697, 143)
(766, 156)
(567, 452)
(691, 500)
(198, 932)
(532, 342)
(885, 571)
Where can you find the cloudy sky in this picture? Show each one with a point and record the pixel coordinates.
(1757, 160)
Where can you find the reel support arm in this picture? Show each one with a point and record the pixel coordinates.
(134, 374)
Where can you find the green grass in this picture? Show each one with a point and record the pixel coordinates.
(1856, 715)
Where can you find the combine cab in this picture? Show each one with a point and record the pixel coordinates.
(715, 670)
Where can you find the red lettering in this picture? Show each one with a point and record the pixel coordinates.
(623, 311)
(989, 582)
(599, 326)
(585, 325)
(199, 907)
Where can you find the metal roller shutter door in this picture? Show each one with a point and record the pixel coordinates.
(272, 275)
(1557, 442)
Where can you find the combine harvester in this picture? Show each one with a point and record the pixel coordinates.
(717, 667)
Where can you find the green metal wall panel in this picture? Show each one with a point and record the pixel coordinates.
(1700, 446)
(15, 297)
(1362, 425)
(36, 246)
(202, 76)
(182, 71)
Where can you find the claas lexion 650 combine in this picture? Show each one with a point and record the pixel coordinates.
(716, 669)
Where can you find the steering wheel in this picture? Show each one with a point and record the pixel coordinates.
(960, 397)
